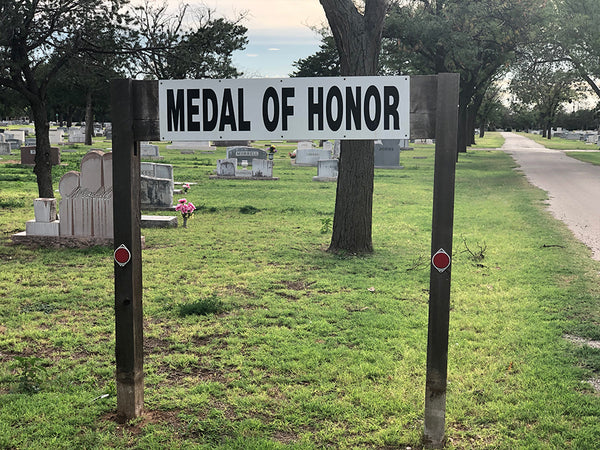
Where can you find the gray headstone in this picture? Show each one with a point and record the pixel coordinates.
(387, 154)
(4, 148)
(246, 154)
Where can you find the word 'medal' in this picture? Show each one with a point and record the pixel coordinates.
(346, 108)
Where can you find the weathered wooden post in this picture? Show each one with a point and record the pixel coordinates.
(135, 117)
(446, 135)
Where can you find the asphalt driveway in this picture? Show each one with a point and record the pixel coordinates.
(572, 186)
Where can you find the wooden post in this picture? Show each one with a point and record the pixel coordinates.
(446, 135)
(128, 277)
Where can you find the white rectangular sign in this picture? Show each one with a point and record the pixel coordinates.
(285, 108)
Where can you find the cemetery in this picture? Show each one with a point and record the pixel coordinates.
(251, 328)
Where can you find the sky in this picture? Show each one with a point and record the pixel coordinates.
(278, 33)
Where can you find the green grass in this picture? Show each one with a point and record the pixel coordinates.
(257, 338)
(557, 143)
(590, 157)
(491, 140)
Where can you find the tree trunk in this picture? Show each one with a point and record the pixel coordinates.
(358, 40)
(43, 164)
(352, 223)
(89, 119)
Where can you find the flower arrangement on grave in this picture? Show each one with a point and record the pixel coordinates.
(292, 154)
(272, 149)
(186, 209)
(186, 187)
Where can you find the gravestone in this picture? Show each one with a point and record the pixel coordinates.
(387, 154)
(232, 143)
(262, 168)
(30, 142)
(245, 154)
(337, 149)
(57, 136)
(148, 150)
(28, 156)
(156, 186)
(4, 148)
(327, 170)
(76, 135)
(202, 146)
(311, 156)
(15, 144)
(226, 167)
(86, 209)
(18, 135)
(45, 223)
(305, 145)
(108, 131)
(328, 146)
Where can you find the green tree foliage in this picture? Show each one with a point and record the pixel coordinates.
(473, 38)
(187, 43)
(543, 85)
(37, 39)
(324, 63)
(576, 33)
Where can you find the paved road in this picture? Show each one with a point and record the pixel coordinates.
(572, 186)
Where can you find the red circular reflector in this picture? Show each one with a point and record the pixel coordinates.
(440, 260)
(122, 255)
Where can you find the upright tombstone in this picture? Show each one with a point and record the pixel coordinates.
(16, 135)
(226, 167)
(305, 145)
(387, 154)
(86, 199)
(45, 223)
(311, 156)
(248, 154)
(262, 168)
(156, 186)
(149, 150)
(57, 136)
(76, 135)
(191, 146)
(337, 148)
(28, 156)
(327, 170)
(4, 148)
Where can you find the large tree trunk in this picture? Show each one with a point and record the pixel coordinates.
(43, 164)
(89, 119)
(358, 40)
(352, 223)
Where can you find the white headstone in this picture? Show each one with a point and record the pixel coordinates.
(327, 170)
(262, 168)
(226, 167)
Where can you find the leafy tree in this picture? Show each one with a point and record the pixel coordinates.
(545, 86)
(357, 34)
(324, 63)
(575, 32)
(473, 38)
(189, 43)
(37, 39)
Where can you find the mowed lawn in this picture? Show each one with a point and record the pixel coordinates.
(257, 338)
